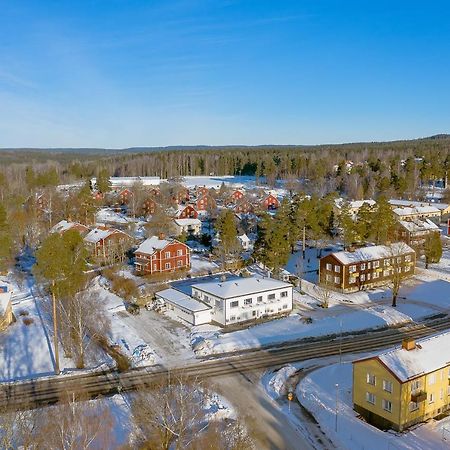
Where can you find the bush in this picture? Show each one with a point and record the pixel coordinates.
(23, 312)
(28, 321)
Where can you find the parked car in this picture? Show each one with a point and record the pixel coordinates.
(132, 308)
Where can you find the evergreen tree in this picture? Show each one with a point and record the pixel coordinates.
(383, 221)
(432, 249)
(348, 227)
(229, 244)
(103, 181)
(364, 219)
(5, 240)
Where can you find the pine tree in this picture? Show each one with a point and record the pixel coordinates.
(5, 240)
(432, 249)
(103, 181)
(229, 243)
(347, 225)
(383, 221)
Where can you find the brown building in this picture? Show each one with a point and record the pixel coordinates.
(366, 267)
(159, 255)
(270, 202)
(149, 207)
(105, 243)
(205, 202)
(187, 212)
(414, 232)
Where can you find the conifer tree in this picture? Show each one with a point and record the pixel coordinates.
(383, 221)
(103, 181)
(229, 244)
(5, 240)
(432, 249)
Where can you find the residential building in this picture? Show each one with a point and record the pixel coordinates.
(270, 202)
(188, 226)
(444, 208)
(149, 206)
(125, 196)
(62, 226)
(202, 190)
(354, 206)
(366, 267)
(108, 243)
(416, 212)
(236, 196)
(414, 232)
(245, 242)
(205, 202)
(186, 212)
(244, 299)
(160, 255)
(6, 312)
(243, 206)
(404, 386)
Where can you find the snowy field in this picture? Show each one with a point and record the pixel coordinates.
(317, 393)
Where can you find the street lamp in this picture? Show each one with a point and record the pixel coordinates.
(337, 407)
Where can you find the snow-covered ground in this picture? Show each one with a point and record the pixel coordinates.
(317, 393)
(200, 265)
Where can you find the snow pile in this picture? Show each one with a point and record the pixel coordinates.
(278, 381)
(390, 315)
(217, 408)
(142, 355)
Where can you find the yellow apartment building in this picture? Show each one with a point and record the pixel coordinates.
(404, 386)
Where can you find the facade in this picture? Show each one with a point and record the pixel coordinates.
(125, 196)
(188, 226)
(185, 307)
(270, 202)
(414, 232)
(353, 206)
(243, 206)
(245, 242)
(205, 202)
(244, 299)
(6, 312)
(202, 190)
(236, 196)
(187, 212)
(107, 243)
(416, 212)
(149, 207)
(404, 386)
(160, 255)
(366, 267)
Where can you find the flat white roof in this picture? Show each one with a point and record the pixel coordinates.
(414, 204)
(429, 355)
(186, 222)
(418, 225)
(373, 253)
(241, 286)
(182, 300)
(408, 211)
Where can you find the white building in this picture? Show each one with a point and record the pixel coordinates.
(129, 181)
(243, 299)
(244, 241)
(185, 307)
(188, 226)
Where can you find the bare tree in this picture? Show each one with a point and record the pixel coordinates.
(324, 293)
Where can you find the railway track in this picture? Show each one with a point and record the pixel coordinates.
(43, 391)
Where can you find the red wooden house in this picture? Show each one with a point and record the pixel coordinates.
(107, 243)
(236, 196)
(202, 190)
(270, 202)
(159, 255)
(181, 195)
(149, 207)
(204, 203)
(125, 196)
(244, 207)
(187, 212)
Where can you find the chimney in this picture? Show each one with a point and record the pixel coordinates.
(408, 344)
(161, 236)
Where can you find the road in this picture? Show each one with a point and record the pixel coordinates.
(42, 391)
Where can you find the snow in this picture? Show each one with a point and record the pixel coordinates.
(416, 211)
(150, 245)
(96, 235)
(188, 222)
(426, 357)
(413, 204)
(317, 393)
(5, 297)
(375, 252)
(182, 300)
(277, 382)
(202, 265)
(417, 225)
(241, 286)
(106, 215)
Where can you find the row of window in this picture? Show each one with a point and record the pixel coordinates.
(386, 404)
(254, 313)
(370, 265)
(372, 379)
(259, 299)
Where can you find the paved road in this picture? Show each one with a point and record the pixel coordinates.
(48, 390)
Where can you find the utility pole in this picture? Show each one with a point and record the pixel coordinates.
(55, 331)
(340, 343)
(304, 243)
(337, 407)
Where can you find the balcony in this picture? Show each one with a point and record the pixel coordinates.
(418, 396)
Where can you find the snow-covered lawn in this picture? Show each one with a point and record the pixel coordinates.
(317, 393)
(200, 265)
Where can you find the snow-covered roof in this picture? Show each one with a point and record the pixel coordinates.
(107, 215)
(97, 234)
(413, 204)
(417, 210)
(427, 357)
(417, 225)
(244, 238)
(61, 226)
(182, 300)
(150, 245)
(373, 253)
(355, 204)
(241, 286)
(187, 222)
(129, 181)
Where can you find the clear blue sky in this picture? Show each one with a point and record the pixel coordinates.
(119, 73)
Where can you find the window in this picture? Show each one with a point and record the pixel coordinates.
(271, 296)
(399, 259)
(167, 265)
(179, 263)
(167, 254)
(363, 277)
(387, 386)
(155, 267)
(371, 379)
(431, 379)
(413, 406)
(179, 252)
(415, 385)
(259, 299)
(285, 306)
(441, 394)
(254, 313)
(376, 275)
(386, 262)
(408, 258)
(368, 265)
(431, 399)
(284, 294)
(352, 269)
(337, 280)
(248, 301)
(387, 405)
(386, 273)
(370, 397)
(362, 267)
(337, 269)
(328, 277)
(376, 264)
(407, 268)
(368, 276)
(234, 304)
(352, 280)
(232, 318)
(329, 266)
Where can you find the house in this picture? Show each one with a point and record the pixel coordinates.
(243, 206)
(108, 243)
(414, 232)
(354, 206)
(205, 202)
(6, 312)
(366, 267)
(202, 190)
(180, 195)
(243, 299)
(270, 202)
(245, 242)
(416, 212)
(186, 212)
(188, 226)
(185, 307)
(236, 196)
(125, 196)
(444, 208)
(64, 225)
(149, 207)
(159, 255)
(401, 387)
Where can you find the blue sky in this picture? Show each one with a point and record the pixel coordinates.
(120, 73)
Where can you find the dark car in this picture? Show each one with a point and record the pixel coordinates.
(132, 308)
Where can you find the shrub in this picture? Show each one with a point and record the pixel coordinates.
(28, 321)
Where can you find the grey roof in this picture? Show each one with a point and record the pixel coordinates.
(185, 301)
